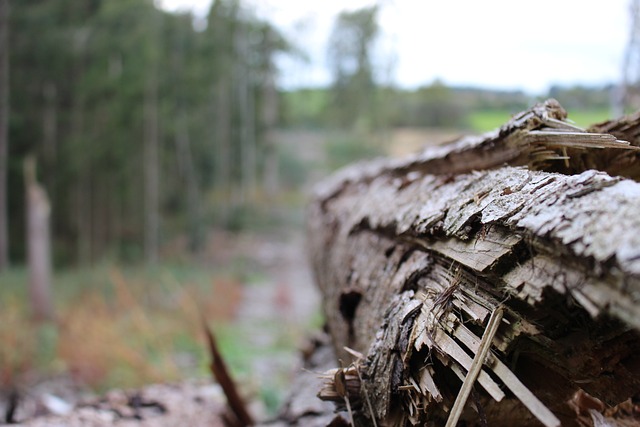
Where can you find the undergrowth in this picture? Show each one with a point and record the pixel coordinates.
(122, 328)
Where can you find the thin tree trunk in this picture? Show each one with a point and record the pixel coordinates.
(151, 173)
(151, 154)
(185, 159)
(271, 176)
(39, 245)
(222, 135)
(4, 133)
(82, 199)
(248, 157)
(50, 122)
(81, 202)
(413, 257)
(269, 120)
(84, 214)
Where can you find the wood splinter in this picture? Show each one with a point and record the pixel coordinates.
(476, 366)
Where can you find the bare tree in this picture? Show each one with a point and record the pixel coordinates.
(39, 244)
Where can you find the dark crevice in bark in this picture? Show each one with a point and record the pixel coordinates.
(390, 251)
(348, 305)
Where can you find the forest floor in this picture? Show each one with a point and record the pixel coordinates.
(277, 311)
(255, 289)
(122, 327)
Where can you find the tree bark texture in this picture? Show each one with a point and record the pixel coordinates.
(538, 222)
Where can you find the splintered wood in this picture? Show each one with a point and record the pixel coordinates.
(537, 221)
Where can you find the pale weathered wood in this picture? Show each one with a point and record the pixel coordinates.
(411, 256)
(476, 368)
(38, 245)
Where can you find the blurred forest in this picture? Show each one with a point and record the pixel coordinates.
(136, 119)
(145, 127)
(156, 138)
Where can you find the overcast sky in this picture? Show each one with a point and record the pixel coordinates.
(504, 44)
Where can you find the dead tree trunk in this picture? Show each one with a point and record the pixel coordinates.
(525, 226)
(39, 245)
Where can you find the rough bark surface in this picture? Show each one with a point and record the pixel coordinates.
(538, 220)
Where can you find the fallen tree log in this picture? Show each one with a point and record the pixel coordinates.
(535, 224)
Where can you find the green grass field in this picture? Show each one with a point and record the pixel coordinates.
(482, 121)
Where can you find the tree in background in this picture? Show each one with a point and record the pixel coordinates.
(143, 126)
(4, 132)
(438, 106)
(349, 52)
(629, 92)
(242, 102)
(152, 142)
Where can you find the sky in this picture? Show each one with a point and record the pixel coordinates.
(499, 44)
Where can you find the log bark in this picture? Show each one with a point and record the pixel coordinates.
(538, 221)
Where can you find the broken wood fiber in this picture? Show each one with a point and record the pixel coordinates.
(539, 217)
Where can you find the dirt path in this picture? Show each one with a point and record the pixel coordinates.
(278, 313)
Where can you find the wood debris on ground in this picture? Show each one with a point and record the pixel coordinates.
(158, 405)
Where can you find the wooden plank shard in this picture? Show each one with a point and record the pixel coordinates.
(476, 369)
(540, 218)
(510, 380)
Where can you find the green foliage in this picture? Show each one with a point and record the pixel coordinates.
(347, 148)
(240, 217)
(585, 118)
(125, 327)
(91, 72)
(582, 98)
(46, 337)
(353, 103)
(251, 217)
(305, 108)
(85, 76)
(486, 120)
(437, 106)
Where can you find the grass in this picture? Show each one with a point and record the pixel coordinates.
(486, 120)
(586, 118)
(125, 327)
(115, 327)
